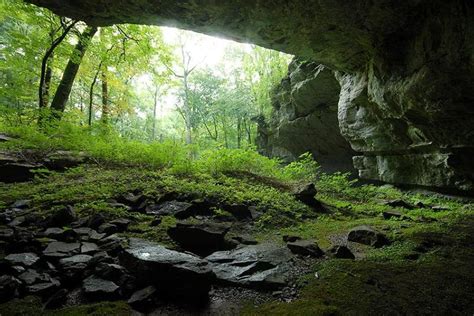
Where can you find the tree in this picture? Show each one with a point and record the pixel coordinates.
(186, 68)
(64, 89)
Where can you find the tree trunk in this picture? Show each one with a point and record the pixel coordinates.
(47, 83)
(105, 98)
(187, 110)
(239, 132)
(46, 68)
(155, 105)
(64, 89)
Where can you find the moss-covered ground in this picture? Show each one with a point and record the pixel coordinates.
(427, 269)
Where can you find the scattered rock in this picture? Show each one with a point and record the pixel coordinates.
(26, 259)
(399, 203)
(61, 249)
(95, 221)
(120, 205)
(89, 247)
(290, 238)
(6, 234)
(239, 211)
(137, 202)
(439, 208)
(121, 224)
(63, 217)
(180, 210)
(391, 214)
(15, 171)
(108, 229)
(77, 259)
(179, 273)
(101, 257)
(142, 300)
(111, 244)
(31, 276)
(254, 212)
(368, 236)
(420, 204)
(156, 222)
(21, 204)
(305, 248)
(44, 289)
(245, 240)
(263, 266)
(99, 289)
(60, 234)
(341, 252)
(202, 238)
(306, 194)
(5, 138)
(9, 287)
(56, 300)
(110, 271)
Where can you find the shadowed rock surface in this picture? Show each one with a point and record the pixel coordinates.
(263, 266)
(179, 273)
(304, 119)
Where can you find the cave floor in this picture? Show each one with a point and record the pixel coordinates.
(427, 269)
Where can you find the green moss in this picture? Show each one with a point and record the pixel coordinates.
(32, 306)
(440, 282)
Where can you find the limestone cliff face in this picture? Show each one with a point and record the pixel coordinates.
(304, 119)
(405, 68)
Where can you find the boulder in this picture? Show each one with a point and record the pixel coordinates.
(61, 234)
(13, 170)
(143, 300)
(26, 259)
(178, 274)
(21, 204)
(200, 238)
(62, 217)
(97, 289)
(31, 276)
(137, 202)
(399, 203)
(44, 288)
(239, 211)
(305, 248)
(111, 244)
(5, 138)
(95, 221)
(368, 236)
(341, 252)
(108, 229)
(61, 249)
(180, 210)
(391, 214)
(306, 194)
(56, 300)
(121, 224)
(6, 234)
(263, 266)
(290, 238)
(10, 287)
(77, 259)
(110, 271)
(89, 247)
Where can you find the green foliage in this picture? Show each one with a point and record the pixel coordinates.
(304, 168)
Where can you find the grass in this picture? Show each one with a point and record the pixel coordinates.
(32, 306)
(427, 268)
